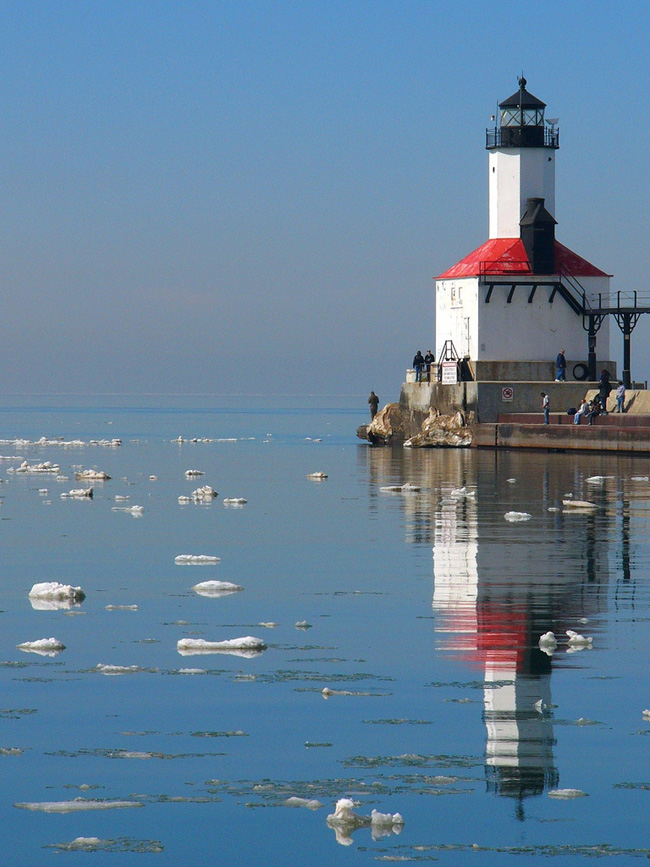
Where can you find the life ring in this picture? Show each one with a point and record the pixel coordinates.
(580, 371)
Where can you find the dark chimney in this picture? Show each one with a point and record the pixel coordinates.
(538, 236)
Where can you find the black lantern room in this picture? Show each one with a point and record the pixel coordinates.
(521, 123)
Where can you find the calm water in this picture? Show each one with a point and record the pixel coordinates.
(425, 610)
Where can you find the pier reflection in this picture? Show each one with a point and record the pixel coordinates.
(498, 586)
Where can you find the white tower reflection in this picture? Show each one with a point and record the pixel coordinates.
(490, 627)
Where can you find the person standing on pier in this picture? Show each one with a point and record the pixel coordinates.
(429, 359)
(418, 365)
(560, 367)
(620, 397)
(546, 406)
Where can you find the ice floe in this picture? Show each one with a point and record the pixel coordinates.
(196, 560)
(640, 478)
(247, 646)
(343, 821)
(406, 488)
(44, 467)
(646, 714)
(95, 475)
(76, 805)
(511, 481)
(303, 624)
(42, 646)
(114, 670)
(580, 505)
(548, 643)
(136, 511)
(567, 793)
(309, 803)
(234, 501)
(577, 640)
(216, 588)
(204, 494)
(462, 492)
(517, 516)
(190, 473)
(317, 476)
(50, 595)
(78, 494)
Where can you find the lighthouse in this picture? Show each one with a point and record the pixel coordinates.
(511, 305)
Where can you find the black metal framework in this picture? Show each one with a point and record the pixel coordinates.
(522, 136)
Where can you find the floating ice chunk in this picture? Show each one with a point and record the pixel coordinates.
(121, 607)
(43, 491)
(114, 670)
(309, 803)
(120, 498)
(302, 624)
(318, 476)
(553, 509)
(406, 488)
(192, 671)
(580, 505)
(76, 805)
(44, 467)
(216, 588)
(577, 640)
(206, 493)
(641, 478)
(136, 511)
(246, 646)
(462, 492)
(234, 501)
(344, 821)
(548, 641)
(184, 500)
(79, 493)
(511, 481)
(517, 516)
(190, 473)
(99, 475)
(50, 595)
(153, 478)
(268, 624)
(567, 793)
(196, 560)
(42, 646)
(646, 714)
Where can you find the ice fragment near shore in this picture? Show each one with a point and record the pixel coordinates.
(216, 588)
(406, 488)
(234, 501)
(548, 643)
(246, 646)
(196, 559)
(318, 476)
(190, 473)
(44, 467)
(204, 494)
(42, 646)
(114, 670)
(577, 640)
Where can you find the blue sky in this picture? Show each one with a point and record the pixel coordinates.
(245, 197)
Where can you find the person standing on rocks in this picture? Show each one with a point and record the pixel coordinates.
(373, 402)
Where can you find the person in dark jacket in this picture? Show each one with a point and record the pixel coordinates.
(373, 401)
(604, 388)
(429, 359)
(418, 365)
(560, 367)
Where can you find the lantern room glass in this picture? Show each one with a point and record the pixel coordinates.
(513, 116)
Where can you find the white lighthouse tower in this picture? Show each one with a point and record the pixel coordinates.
(510, 306)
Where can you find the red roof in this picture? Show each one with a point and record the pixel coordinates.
(508, 256)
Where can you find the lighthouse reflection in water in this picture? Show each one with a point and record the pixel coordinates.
(499, 586)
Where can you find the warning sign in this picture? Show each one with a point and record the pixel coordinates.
(449, 373)
(507, 393)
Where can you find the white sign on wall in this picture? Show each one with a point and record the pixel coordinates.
(449, 373)
(507, 393)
